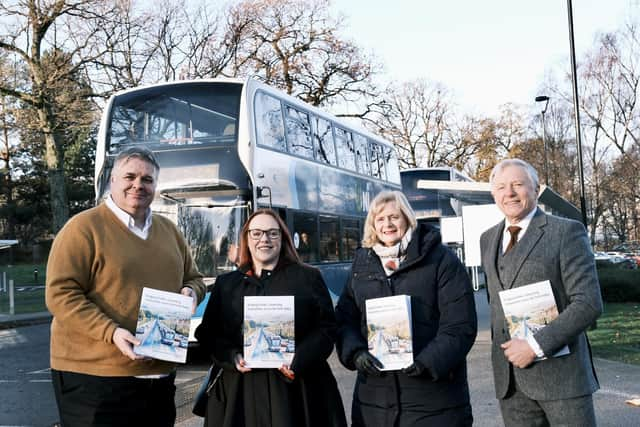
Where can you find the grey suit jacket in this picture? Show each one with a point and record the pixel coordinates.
(558, 250)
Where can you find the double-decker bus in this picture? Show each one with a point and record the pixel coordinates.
(228, 147)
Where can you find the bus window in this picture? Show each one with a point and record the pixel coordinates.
(393, 171)
(345, 149)
(350, 238)
(173, 115)
(298, 133)
(211, 233)
(305, 226)
(164, 125)
(325, 148)
(377, 163)
(361, 154)
(329, 239)
(269, 125)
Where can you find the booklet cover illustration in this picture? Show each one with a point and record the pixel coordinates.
(163, 325)
(269, 331)
(389, 331)
(528, 309)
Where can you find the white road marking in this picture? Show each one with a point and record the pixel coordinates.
(40, 371)
(616, 393)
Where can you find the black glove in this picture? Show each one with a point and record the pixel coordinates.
(414, 370)
(366, 363)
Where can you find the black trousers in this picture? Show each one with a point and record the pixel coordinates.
(88, 400)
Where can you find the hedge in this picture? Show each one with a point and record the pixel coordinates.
(619, 284)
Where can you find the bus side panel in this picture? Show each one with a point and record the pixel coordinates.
(272, 171)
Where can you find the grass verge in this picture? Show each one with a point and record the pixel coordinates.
(27, 297)
(31, 301)
(617, 336)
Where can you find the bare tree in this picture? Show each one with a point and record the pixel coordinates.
(151, 42)
(296, 46)
(622, 204)
(416, 119)
(465, 148)
(608, 84)
(510, 128)
(7, 142)
(208, 49)
(560, 152)
(491, 139)
(612, 75)
(482, 135)
(27, 29)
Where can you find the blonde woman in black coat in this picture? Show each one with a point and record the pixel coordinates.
(303, 394)
(399, 257)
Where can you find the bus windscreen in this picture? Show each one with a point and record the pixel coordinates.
(175, 115)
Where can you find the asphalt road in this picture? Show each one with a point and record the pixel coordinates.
(27, 396)
(618, 382)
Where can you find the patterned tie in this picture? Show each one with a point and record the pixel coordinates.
(513, 230)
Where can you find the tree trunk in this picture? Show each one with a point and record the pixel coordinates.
(10, 232)
(58, 198)
(11, 216)
(55, 171)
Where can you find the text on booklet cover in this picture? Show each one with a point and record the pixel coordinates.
(269, 331)
(528, 309)
(163, 325)
(389, 331)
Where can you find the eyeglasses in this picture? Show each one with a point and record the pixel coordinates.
(272, 233)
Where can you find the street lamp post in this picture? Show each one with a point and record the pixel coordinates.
(545, 99)
(576, 109)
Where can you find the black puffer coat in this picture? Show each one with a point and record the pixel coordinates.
(444, 329)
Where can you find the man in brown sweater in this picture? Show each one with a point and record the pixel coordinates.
(98, 265)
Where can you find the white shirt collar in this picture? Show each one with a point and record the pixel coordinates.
(128, 220)
(523, 224)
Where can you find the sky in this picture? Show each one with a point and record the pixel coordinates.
(487, 52)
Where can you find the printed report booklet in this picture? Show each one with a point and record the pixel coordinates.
(269, 331)
(528, 309)
(163, 325)
(389, 331)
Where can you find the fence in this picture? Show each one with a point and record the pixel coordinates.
(22, 288)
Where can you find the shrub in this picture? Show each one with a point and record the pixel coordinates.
(618, 284)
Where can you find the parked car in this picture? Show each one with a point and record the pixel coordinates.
(624, 262)
(621, 261)
(633, 257)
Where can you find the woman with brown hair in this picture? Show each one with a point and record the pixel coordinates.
(303, 393)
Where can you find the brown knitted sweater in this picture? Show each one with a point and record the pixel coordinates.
(95, 275)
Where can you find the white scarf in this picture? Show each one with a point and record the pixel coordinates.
(392, 256)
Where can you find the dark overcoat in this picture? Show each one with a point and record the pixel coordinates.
(444, 329)
(265, 397)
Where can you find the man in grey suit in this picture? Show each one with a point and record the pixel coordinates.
(530, 246)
